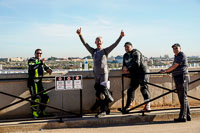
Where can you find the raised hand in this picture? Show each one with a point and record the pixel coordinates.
(43, 60)
(122, 33)
(78, 31)
(49, 71)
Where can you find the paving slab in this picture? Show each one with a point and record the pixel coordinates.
(89, 120)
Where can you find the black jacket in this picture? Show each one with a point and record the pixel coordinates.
(134, 61)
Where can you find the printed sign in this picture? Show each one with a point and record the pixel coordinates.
(69, 82)
(60, 84)
(77, 82)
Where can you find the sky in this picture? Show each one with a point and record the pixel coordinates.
(152, 26)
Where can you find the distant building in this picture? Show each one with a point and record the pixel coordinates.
(111, 59)
(57, 59)
(75, 59)
(150, 62)
(88, 57)
(17, 59)
(4, 59)
(90, 60)
(119, 59)
(61, 59)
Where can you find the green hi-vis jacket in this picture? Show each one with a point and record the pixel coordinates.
(36, 68)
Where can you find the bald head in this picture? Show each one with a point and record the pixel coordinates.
(99, 42)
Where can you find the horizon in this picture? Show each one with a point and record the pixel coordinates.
(152, 26)
(162, 56)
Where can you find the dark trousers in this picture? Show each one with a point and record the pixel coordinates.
(35, 88)
(103, 104)
(103, 97)
(181, 83)
(137, 80)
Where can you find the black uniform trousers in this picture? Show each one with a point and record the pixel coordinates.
(35, 88)
(137, 80)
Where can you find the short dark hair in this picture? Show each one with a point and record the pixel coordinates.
(38, 50)
(128, 43)
(176, 45)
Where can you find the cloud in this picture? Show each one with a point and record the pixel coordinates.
(56, 30)
(53, 23)
(62, 30)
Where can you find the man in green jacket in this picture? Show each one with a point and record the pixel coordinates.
(35, 70)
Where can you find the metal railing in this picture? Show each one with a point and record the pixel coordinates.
(21, 99)
(155, 98)
(31, 101)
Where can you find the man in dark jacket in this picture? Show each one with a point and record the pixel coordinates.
(181, 77)
(133, 64)
(100, 55)
(35, 71)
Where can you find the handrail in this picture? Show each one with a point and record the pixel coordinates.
(25, 99)
(88, 77)
(169, 91)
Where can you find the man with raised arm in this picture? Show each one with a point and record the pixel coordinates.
(100, 55)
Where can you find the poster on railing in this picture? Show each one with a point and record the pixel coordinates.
(59, 83)
(69, 82)
(77, 82)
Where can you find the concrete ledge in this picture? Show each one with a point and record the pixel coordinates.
(70, 99)
(91, 121)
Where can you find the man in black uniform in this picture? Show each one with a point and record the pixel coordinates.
(181, 77)
(35, 70)
(133, 64)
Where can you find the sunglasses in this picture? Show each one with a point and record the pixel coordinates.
(38, 53)
(175, 48)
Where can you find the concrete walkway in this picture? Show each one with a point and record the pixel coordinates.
(89, 121)
(144, 127)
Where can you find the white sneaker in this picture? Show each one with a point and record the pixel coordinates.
(147, 106)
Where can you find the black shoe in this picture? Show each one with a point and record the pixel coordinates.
(124, 111)
(180, 120)
(189, 118)
(108, 112)
(119, 109)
